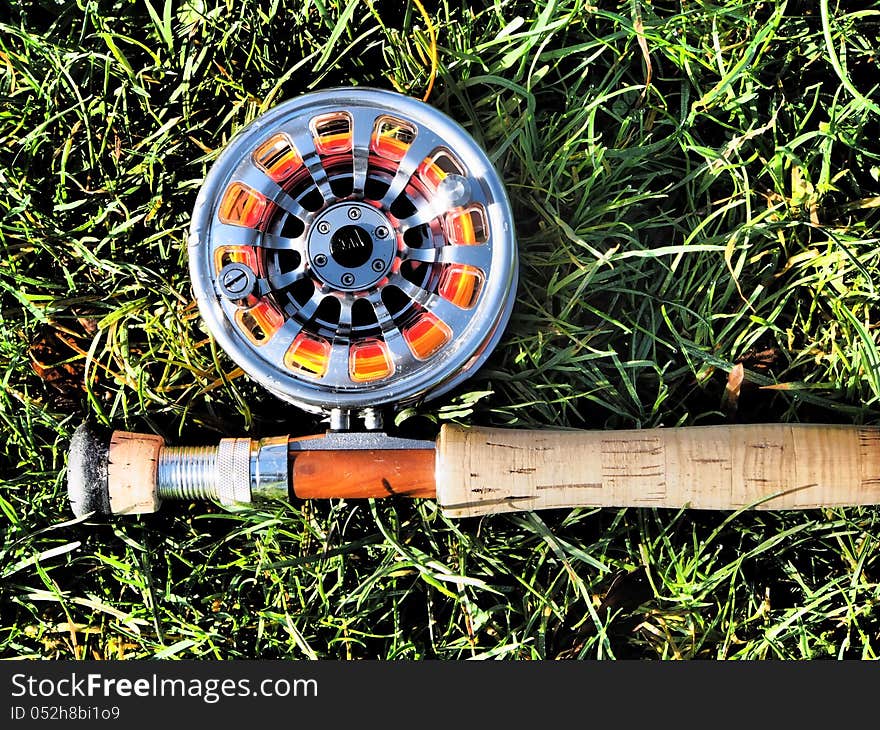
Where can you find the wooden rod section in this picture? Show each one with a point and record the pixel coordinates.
(362, 473)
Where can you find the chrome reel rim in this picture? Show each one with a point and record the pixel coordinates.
(353, 248)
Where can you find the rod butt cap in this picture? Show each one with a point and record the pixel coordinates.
(87, 489)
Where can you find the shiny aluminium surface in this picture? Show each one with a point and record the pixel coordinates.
(473, 330)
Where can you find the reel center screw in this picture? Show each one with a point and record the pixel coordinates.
(351, 247)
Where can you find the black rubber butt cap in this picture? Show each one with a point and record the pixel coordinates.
(87, 471)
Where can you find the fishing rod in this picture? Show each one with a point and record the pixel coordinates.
(353, 250)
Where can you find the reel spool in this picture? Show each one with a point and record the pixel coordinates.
(354, 248)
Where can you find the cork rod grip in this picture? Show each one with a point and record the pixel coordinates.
(772, 466)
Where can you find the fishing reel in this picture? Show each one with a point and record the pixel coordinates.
(350, 250)
(353, 249)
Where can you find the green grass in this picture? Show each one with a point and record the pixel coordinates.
(696, 186)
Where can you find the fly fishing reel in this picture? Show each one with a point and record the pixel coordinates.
(354, 248)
